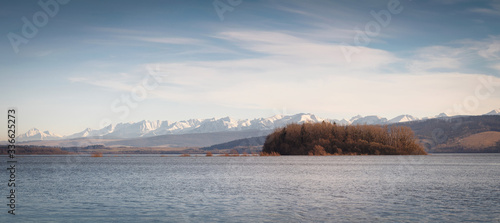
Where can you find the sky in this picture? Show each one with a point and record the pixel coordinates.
(68, 65)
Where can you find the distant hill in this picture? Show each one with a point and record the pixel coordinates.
(253, 142)
(183, 140)
(458, 134)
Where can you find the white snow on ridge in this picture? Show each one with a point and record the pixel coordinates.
(493, 112)
(35, 134)
(369, 120)
(147, 128)
(403, 118)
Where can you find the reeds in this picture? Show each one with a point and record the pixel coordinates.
(270, 154)
(96, 154)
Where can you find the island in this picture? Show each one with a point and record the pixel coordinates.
(331, 139)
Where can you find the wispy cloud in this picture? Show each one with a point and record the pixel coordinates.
(489, 49)
(114, 34)
(494, 10)
(300, 73)
(114, 84)
(295, 50)
(457, 55)
(114, 30)
(496, 66)
(166, 40)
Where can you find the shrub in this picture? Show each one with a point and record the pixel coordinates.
(269, 154)
(96, 154)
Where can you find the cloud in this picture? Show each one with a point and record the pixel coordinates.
(295, 50)
(435, 58)
(494, 10)
(115, 84)
(77, 79)
(114, 30)
(307, 74)
(489, 50)
(117, 34)
(496, 66)
(323, 92)
(300, 74)
(458, 55)
(177, 41)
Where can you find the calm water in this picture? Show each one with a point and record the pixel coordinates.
(450, 188)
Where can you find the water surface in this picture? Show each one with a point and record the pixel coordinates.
(138, 188)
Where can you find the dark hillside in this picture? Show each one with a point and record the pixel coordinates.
(326, 138)
(445, 135)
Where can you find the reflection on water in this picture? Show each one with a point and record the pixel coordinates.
(134, 188)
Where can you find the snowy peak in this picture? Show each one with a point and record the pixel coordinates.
(355, 118)
(403, 118)
(493, 112)
(36, 134)
(30, 133)
(85, 133)
(147, 128)
(369, 120)
(302, 118)
(342, 122)
(88, 132)
(51, 134)
(217, 125)
(442, 115)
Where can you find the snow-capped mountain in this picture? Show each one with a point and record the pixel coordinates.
(155, 128)
(132, 130)
(368, 120)
(442, 115)
(493, 112)
(88, 132)
(343, 122)
(35, 134)
(403, 118)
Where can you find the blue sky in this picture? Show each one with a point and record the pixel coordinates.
(92, 63)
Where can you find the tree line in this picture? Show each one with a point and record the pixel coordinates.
(326, 138)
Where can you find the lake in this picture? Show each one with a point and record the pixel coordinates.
(140, 188)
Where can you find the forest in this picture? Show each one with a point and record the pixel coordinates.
(332, 139)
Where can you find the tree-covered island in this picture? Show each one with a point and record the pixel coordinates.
(332, 139)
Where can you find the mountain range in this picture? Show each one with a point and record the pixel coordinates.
(458, 134)
(146, 128)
